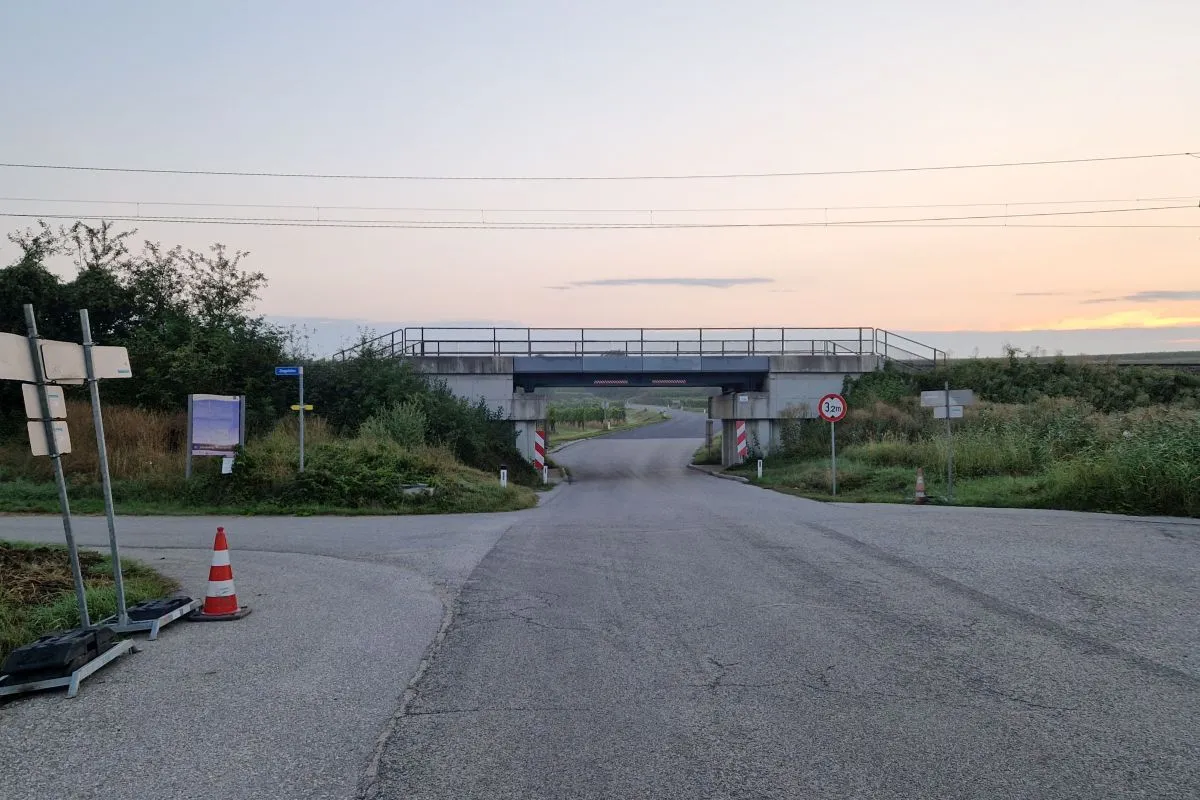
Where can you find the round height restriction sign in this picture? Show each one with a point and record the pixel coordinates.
(832, 408)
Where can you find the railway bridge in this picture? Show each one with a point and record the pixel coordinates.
(765, 375)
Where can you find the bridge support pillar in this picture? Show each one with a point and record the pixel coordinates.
(528, 413)
(751, 408)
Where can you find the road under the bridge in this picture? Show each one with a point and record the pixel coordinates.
(647, 632)
(657, 633)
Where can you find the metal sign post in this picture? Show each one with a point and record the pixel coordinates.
(302, 419)
(298, 373)
(949, 449)
(833, 458)
(832, 409)
(105, 478)
(948, 404)
(39, 374)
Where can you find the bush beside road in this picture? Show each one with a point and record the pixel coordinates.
(1052, 453)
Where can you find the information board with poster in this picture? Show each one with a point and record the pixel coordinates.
(216, 426)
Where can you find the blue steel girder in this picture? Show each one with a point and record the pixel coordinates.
(742, 373)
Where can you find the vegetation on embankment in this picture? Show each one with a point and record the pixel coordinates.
(381, 469)
(1055, 450)
(37, 594)
(186, 319)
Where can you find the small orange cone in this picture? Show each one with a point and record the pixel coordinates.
(220, 601)
(921, 498)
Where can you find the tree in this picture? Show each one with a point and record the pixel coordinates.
(185, 316)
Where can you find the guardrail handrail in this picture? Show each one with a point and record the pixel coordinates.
(647, 342)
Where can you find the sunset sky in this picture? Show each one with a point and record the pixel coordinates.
(553, 89)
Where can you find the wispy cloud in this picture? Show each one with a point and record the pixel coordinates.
(1140, 318)
(1152, 296)
(706, 283)
(1077, 293)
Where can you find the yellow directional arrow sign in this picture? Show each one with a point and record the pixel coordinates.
(306, 408)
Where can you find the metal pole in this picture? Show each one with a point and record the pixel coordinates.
(105, 478)
(949, 449)
(39, 372)
(833, 456)
(187, 445)
(302, 418)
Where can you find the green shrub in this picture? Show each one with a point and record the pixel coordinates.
(403, 423)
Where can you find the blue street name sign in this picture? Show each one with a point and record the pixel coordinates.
(286, 372)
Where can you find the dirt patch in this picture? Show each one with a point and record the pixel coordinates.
(36, 575)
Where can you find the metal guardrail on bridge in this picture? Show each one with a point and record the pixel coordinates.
(429, 341)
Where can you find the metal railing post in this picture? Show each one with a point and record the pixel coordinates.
(753, 342)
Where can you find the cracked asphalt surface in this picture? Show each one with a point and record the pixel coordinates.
(647, 632)
(653, 632)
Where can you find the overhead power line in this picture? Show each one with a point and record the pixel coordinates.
(318, 207)
(646, 177)
(458, 225)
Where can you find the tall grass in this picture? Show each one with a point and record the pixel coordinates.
(1143, 461)
(369, 471)
(1152, 467)
(141, 445)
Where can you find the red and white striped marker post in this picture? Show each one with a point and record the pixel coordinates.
(743, 448)
(220, 601)
(539, 454)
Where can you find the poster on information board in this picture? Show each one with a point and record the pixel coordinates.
(216, 426)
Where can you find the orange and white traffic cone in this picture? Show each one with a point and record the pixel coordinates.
(220, 601)
(921, 498)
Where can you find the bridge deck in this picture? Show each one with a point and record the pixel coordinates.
(648, 344)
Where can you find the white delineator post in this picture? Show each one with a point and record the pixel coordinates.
(743, 448)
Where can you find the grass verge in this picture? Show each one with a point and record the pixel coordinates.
(37, 594)
(636, 419)
(135, 498)
(1077, 486)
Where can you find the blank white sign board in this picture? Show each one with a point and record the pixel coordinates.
(37, 438)
(33, 407)
(15, 364)
(64, 361)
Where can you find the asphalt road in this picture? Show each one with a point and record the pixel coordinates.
(649, 632)
(286, 703)
(657, 633)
